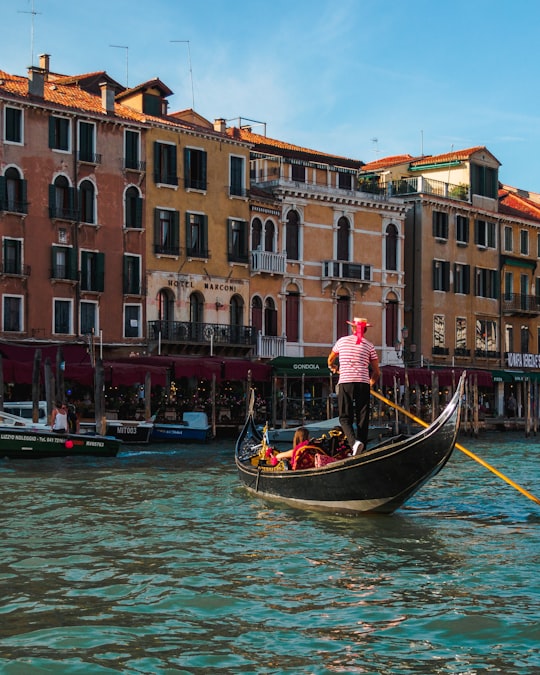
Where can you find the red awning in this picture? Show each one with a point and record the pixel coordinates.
(238, 369)
(128, 374)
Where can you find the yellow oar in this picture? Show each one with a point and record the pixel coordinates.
(459, 447)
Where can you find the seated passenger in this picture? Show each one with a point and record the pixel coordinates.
(301, 438)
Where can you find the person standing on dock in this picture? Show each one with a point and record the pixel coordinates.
(358, 370)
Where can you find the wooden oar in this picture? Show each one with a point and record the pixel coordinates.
(459, 447)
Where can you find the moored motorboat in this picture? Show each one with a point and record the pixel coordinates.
(379, 480)
(22, 439)
(194, 426)
(127, 431)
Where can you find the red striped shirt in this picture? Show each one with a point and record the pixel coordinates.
(354, 359)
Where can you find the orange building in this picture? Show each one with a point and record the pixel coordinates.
(322, 251)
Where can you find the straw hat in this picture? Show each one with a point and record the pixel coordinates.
(357, 320)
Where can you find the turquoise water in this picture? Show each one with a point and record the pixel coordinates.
(159, 562)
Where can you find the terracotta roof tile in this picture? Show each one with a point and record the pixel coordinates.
(274, 146)
(386, 162)
(512, 204)
(455, 155)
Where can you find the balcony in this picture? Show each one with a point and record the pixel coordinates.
(14, 206)
(129, 164)
(270, 346)
(88, 157)
(520, 304)
(338, 270)
(268, 262)
(201, 333)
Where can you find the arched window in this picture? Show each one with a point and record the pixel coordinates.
(132, 208)
(343, 314)
(236, 317)
(391, 320)
(256, 234)
(256, 314)
(391, 247)
(236, 310)
(270, 317)
(196, 308)
(269, 235)
(292, 314)
(13, 192)
(62, 199)
(87, 201)
(293, 234)
(165, 304)
(343, 230)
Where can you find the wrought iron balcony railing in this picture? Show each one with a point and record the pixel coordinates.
(520, 303)
(201, 333)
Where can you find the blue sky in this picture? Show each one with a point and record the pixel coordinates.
(356, 78)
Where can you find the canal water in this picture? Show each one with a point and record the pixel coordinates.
(157, 561)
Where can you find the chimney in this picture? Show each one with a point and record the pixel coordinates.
(44, 62)
(36, 82)
(107, 97)
(220, 125)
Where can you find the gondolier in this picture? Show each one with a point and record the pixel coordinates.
(358, 369)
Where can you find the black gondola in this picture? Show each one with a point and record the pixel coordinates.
(379, 480)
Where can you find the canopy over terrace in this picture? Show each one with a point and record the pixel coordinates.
(18, 365)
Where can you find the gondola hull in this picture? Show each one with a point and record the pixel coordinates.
(380, 480)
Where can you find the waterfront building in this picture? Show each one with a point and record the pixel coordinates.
(70, 228)
(472, 297)
(323, 250)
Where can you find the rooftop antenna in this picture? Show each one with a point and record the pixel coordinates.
(33, 13)
(421, 142)
(375, 142)
(127, 61)
(186, 42)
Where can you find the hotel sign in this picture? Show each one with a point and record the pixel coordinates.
(517, 360)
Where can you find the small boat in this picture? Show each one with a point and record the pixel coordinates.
(20, 438)
(379, 480)
(127, 431)
(193, 427)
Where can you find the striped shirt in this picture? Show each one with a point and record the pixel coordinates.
(354, 359)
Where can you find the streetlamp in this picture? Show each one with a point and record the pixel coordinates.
(399, 346)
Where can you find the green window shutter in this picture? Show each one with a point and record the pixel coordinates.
(204, 233)
(100, 272)
(52, 201)
(84, 267)
(51, 132)
(3, 193)
(157, 162)
(175, 226)
(138, 212)
(187, 167)
(71, 264)
(203, 169)
(188, 231)
(171, 168)
(157, 237)
(24, 196)
(125, 275)
(53, 262)
(73, 203)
